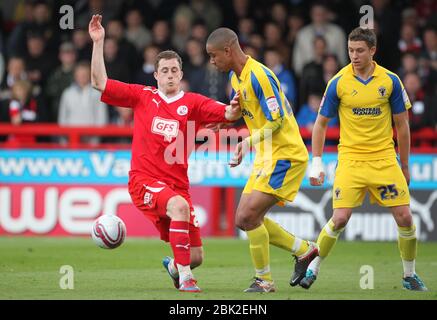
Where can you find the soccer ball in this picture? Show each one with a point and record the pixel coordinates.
(108, 232)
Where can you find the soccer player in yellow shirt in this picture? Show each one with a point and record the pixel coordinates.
(280, 163)
(366, 97)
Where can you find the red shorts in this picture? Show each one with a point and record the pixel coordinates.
(151, 197)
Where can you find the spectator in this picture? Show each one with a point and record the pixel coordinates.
(274, 62)
(2, 68)
(39, 62)
(145, 75)
(334, 35)
(125, 118)
(428, 59)
(181, 29)
(22, 107)
(410, 63)
(126, 50)
(114, 61)
(425, 9)
(25, 108)
(86, 9)
(409, 42)
(274, 40)
(202, 9)
(136, 32)
(387, 28)
(278, 14)
(416, 94)
(16, 70)
(318, 81)
(161, 35)
(199, 30)
(256, 41)
(295, 22)
(80, 103)
(312, 75)
(82, 44)
(40, 23)
(115, 68)
(306, 117)
(60, 79)
(195, 65)
(246, 27)
(252, 51)
(409, 16)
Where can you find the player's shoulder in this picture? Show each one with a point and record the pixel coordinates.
(148, 89)
(258, 68)
(193, 97)
(334, 81)
(387, 73)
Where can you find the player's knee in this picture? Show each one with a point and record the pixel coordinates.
(403, 217)
(178, 209)
(246, 220)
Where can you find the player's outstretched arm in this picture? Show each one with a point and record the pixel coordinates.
(317, 174)
(403, 137)
(98, 70)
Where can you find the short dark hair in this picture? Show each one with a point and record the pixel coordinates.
(167, 55)
(366, 35)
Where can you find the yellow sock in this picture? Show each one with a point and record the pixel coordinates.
(327, 238)
(407, 242)
(278, 236)
(281, 238)
(259, 250)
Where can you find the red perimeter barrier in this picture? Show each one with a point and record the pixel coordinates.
(24, 136)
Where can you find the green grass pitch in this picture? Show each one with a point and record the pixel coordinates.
(30, 269)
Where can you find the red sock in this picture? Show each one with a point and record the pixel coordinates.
(180, 242)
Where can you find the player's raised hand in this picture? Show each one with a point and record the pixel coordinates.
(240, 150)
(235, 103)
(95, 28)
(317, 173)
(233, 110)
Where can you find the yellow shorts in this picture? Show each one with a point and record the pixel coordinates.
(280, 178)
(382, 178)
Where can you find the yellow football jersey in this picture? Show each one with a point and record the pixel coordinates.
(365, 110)
(262, 100)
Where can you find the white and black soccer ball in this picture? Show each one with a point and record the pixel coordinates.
(108, 232)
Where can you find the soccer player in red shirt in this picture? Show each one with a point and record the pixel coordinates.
(158, 181)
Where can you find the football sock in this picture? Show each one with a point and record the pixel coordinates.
(407, 243)
(278, 236)
(180, 244)
(326, 241)
(260, 251)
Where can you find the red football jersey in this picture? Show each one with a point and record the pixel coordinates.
(164, 128)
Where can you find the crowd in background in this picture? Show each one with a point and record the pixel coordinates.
(45, 70)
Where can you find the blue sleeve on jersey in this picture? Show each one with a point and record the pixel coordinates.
(275, 87)
(396, 98)
(262, 99)
(232, 94)
(330, 101)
